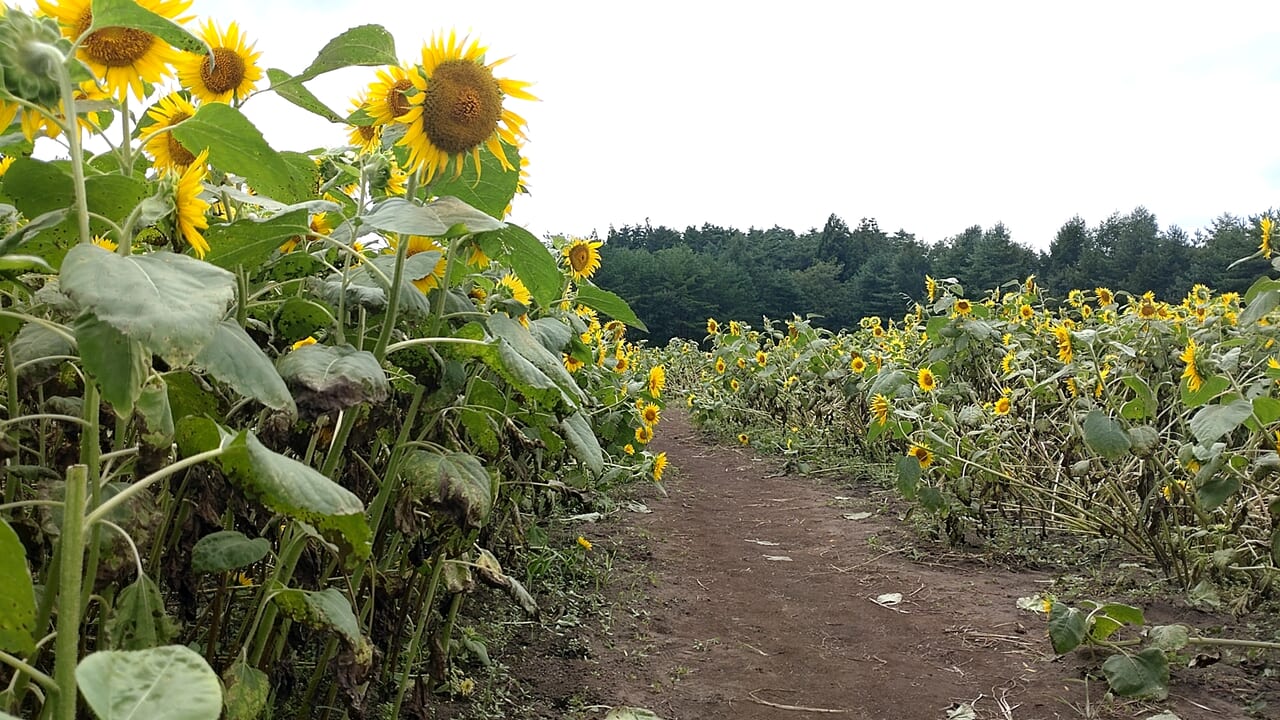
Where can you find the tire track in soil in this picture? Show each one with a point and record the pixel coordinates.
(723, 629)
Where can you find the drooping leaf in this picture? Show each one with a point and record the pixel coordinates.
(171, 682)
(294, 91)
(17, 595)
(139, 621)
(582, 442)
(1169, 638)
(1214, 488)
(227, 550)
(170, 303)
(1144, 400)
(234, 358)
(1105, 436)
(1141, 675)
(377, 285)
(119, 364)
(328, 610)
(326, 378)
(35, 342)
(1066, 628)
(513, 334)
(294, 489)
(236, 145)
(609, 304)
(1213, 421)
(455, 481)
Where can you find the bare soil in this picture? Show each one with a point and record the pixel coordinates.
(747, 593)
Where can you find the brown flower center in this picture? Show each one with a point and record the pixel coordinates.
(579, 258)
(181, 156)
(226, 73)
(397, 101)
(368, 132)
(462, 107)
(115, 46)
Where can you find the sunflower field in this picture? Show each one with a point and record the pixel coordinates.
(1106, 415)
(269, 417)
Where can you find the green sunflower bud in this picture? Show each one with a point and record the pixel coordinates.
(32, 52)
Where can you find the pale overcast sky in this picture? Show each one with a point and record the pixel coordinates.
(928, 116)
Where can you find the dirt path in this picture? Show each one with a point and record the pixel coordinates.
(744, 591)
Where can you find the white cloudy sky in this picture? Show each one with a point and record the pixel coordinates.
(928, 116)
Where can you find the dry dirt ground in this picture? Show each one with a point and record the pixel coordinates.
(747, 594)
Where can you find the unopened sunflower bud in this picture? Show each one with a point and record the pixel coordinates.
(31, 55)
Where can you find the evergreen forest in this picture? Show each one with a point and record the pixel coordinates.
(675, 279)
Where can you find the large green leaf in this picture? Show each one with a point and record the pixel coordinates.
(294, 489)
(433, 219)
(17, 596)
(227, 550)
(236, 145)
(1214, 488)
(120, 365)
(139, 621)
(609, 304)
(326, 378)
(582, 442)
(170, 303)
(509, 364)
(1066, 628)
(234, 358)
(128, 13)
(489, 187)
(1213, 421)
(1105, 436)
(35, 342)
(1142, 675)
(327, 609)
(171, 682)
(364, 45)
(1213, 386)
(514, 335)
(908, 476)
(455, 481)
(294, 91)
(533, 263)
(249, 241)
(1144, 401)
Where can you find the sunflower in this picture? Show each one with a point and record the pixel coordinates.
(741, 363)
(1266, 225)
(921, 454)
(583, 258)
(1062, 335)
(880, 409)
(518, 291)
(720, 366)
(963, 307)
(657, 380)
(1026, 312)
(762, 358)
(458, 108)
(418, 244)
(926, 380)
(189, 208)
(366, 138)
(572, 364)
(858, 365)
(1104, 295)
(650, 414)
(387, 96)
(931, 286)
(621, 362)
(1191, 373)
(1003, 406)
(734, 385)
(228, 73)
(5, 162)
(125, 58)
(644, 434)
(659, 466)
(629, 449)
(713, 327)
(159, 142)
(743, 439)
(1006, 363)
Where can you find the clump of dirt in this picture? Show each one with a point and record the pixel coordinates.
(749, 594)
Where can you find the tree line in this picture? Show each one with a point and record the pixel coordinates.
(675, 280)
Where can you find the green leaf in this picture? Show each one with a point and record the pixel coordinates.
(128, 13)
(139, 621)
(1215, 488)
(908, 476)
(17, 595)
(1259, 307)
(237, 146)
(490, 189)
(227, 550)
(369, 288)
(1169, 638)
(1213, 421)
(533, 263)
(513, 335)
(1111, 617)
(1144, 400)
(289, 487)
(1213, 386)
(1266, 410)
(189, 396)
(1142, 675)
(299, 318)
(582, 442)
(196, 435)
(326, 378)
(365, 45)
(434, 219)
(171, 682)
(1105, 436)
(327, 609)
(170, 303)
(1066, 628)
(24, 263)
(249, 242)
(247, 691)
(609, 304)
(455, 481)
(234, 358)
(120, 365)
(293, 91)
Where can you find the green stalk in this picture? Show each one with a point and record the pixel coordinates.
(77, 153)
(393, 300)
(437, 312)
(90, 451)
(293, 547)
(12, 482)
(71, 553)
(423, 620)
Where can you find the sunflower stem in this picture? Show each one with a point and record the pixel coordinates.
(76, 150)
(71, 554)
(393, 300)
(126, 149)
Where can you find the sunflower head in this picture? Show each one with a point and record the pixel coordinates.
(659, 466)
(926, 380)
(458, 108)
(157, 139)
(582, 257)
(227, 73)
(189, 207)
(922, 455)
(657, 380)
